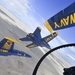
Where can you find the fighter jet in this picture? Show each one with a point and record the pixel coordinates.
(7, 48)
(37, 40)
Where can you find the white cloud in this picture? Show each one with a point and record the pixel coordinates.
(64, 42)
(23, 10)
(70, 56)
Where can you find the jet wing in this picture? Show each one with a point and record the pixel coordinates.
(24, 39)
(37, 32)
(32, 45)
(50, 37)
(63, 19)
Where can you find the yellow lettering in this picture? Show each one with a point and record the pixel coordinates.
(57, 33)
(54, 35)
(66, 20)
(50, 37)
(47, 39)
(56, 25)
(62, 22)
(72, 18)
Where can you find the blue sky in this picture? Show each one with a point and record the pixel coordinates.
(34, 13)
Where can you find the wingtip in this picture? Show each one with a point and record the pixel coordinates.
(40, 28)
(8, 38)
(19, 40)
(27, 48)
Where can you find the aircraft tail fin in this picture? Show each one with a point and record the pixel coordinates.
(37, 32)
(7, 44)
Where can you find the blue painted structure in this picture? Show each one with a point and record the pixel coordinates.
(35, 37)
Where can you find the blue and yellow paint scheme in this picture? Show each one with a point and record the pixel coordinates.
(64, 19)
(36, 39)
(6, 48)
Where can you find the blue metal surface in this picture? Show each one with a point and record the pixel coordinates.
(6, 52)
(68, 14)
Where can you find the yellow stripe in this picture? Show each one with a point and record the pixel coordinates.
(57, 33)
(27, 48)
(19, 40)
(7, 46)
(10, 39)
(48, 26)
(31, 46)
(39, 28)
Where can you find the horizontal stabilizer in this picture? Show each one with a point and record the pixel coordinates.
(24, 39)
(12, 40)
(31, 45)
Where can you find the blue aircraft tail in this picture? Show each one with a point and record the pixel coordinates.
(37, 32)
(6, 48)
(7, 44)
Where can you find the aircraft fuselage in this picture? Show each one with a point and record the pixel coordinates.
(39, 42)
